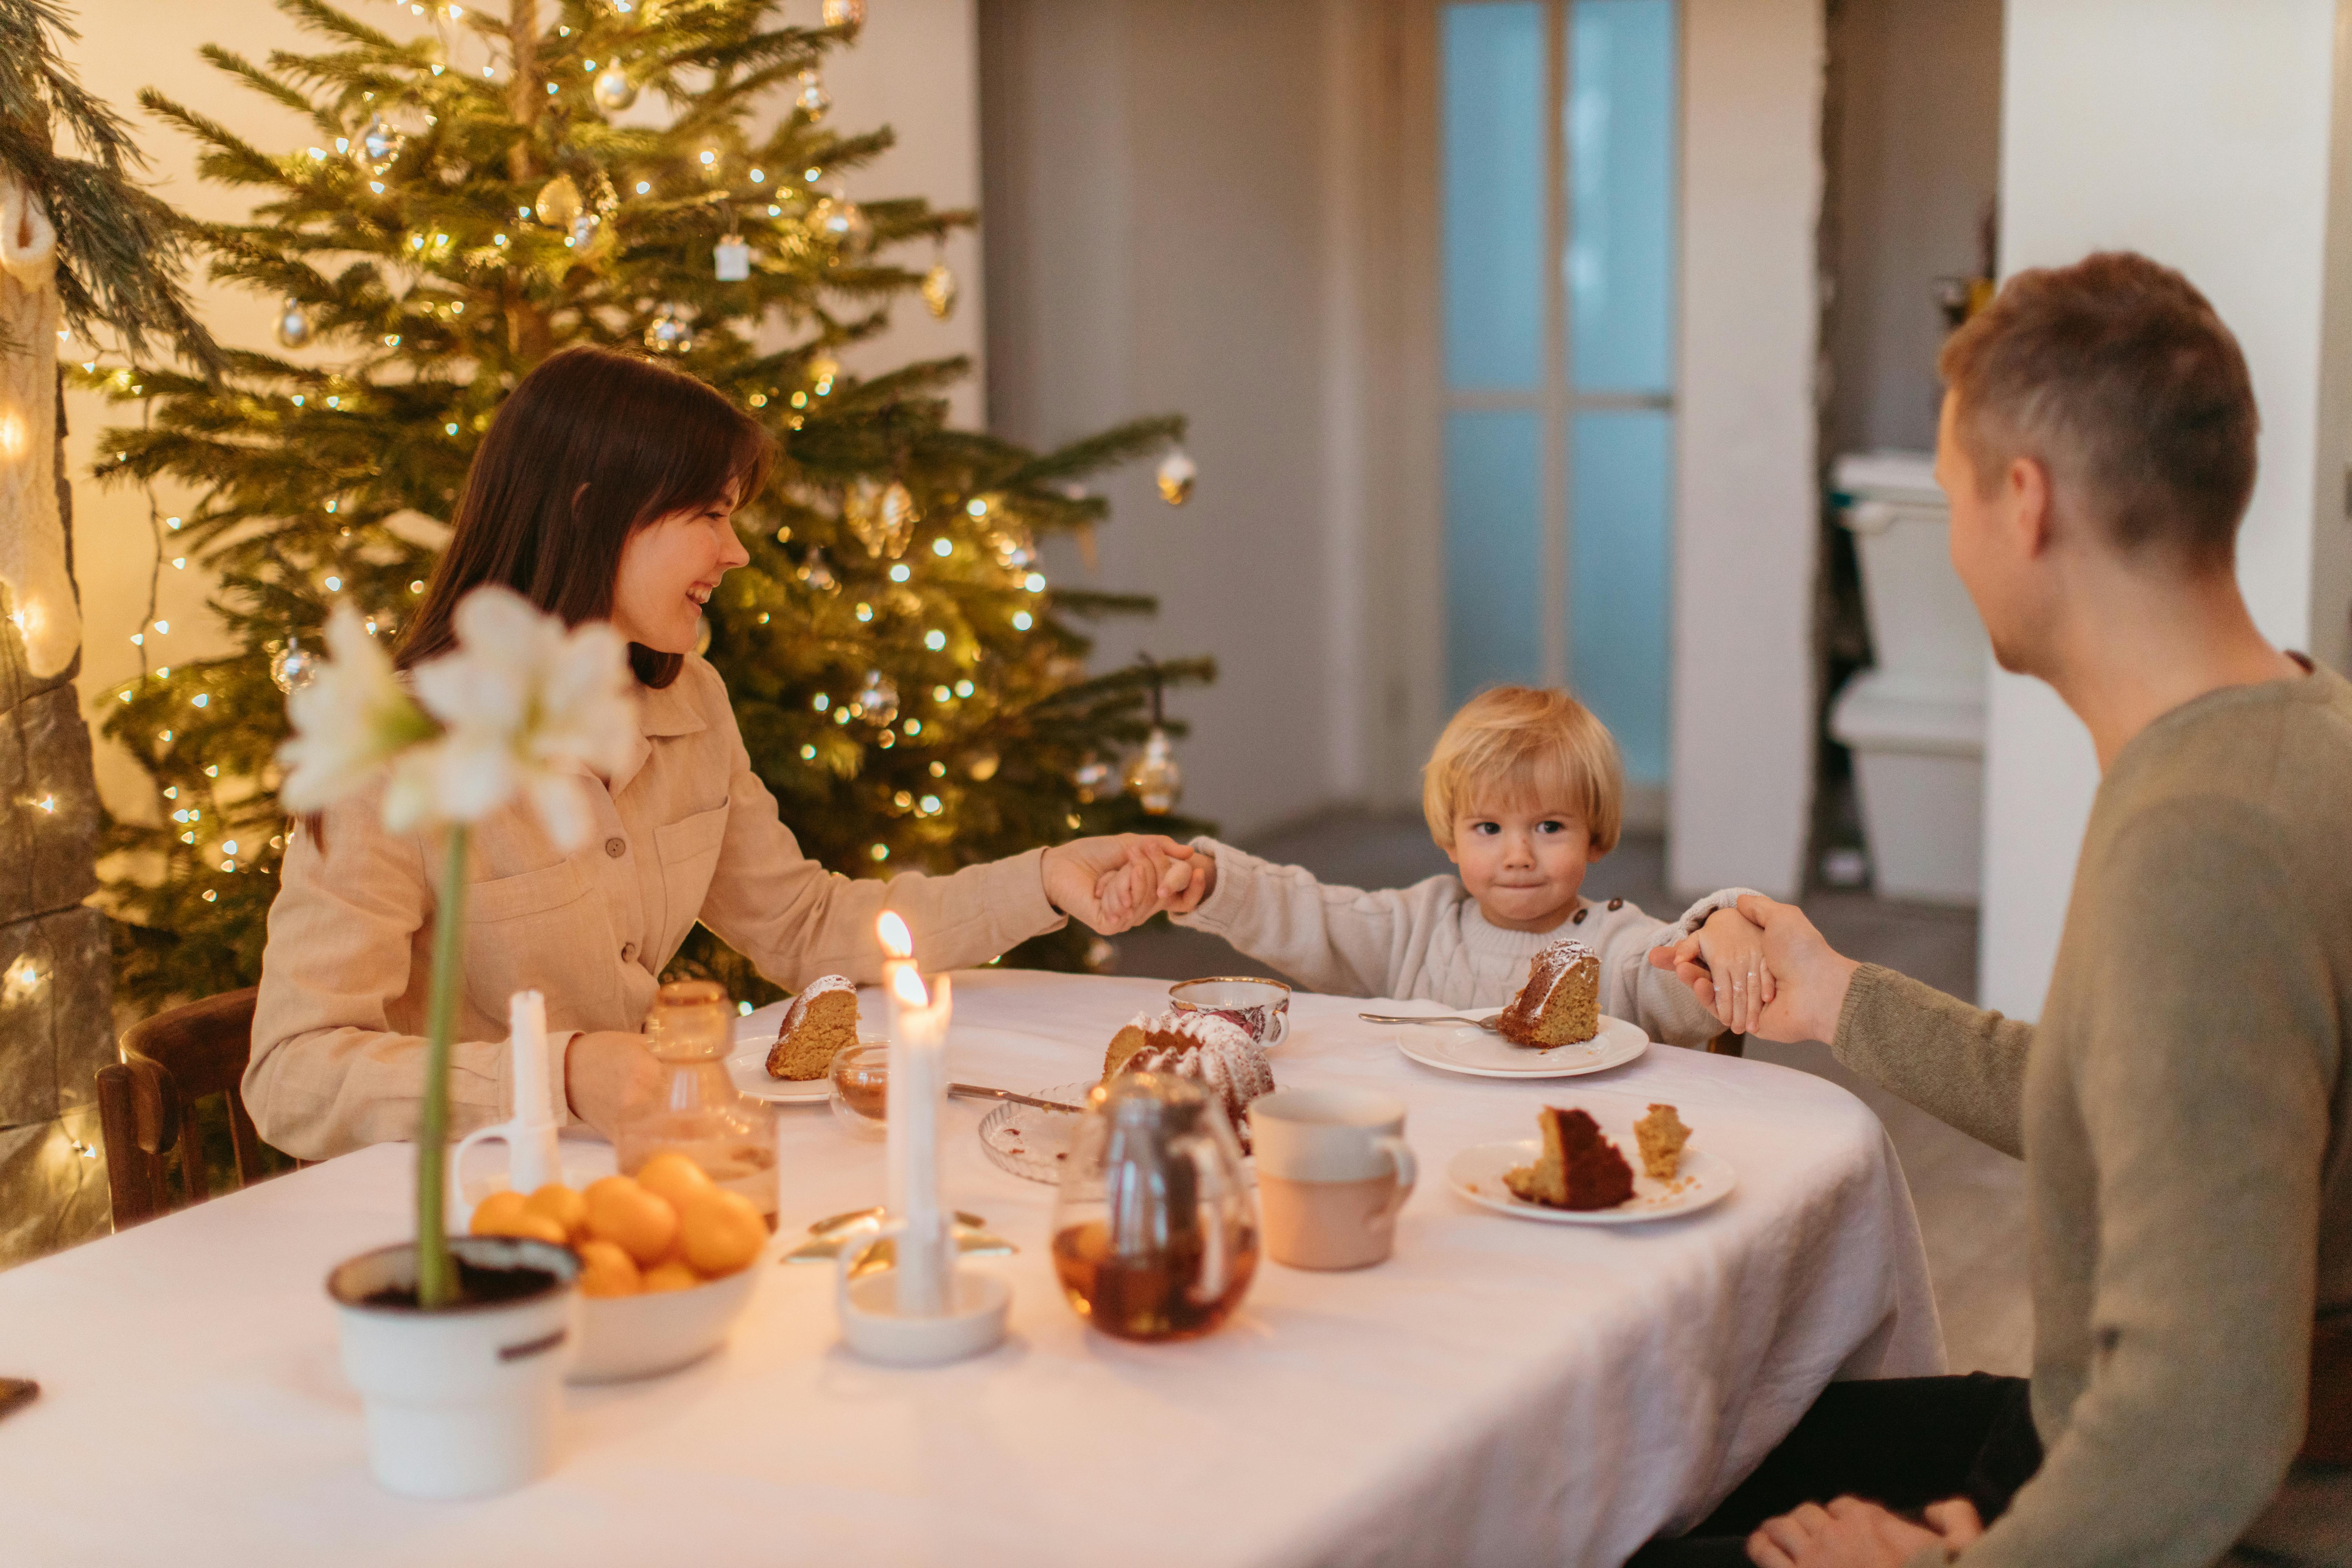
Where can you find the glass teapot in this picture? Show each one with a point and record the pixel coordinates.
(1155, 1227)
(694, 1106)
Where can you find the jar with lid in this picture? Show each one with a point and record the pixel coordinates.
(693, 1107)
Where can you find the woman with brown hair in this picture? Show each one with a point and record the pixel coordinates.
(604, 490)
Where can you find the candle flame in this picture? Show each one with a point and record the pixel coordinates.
(910, 988)
(896, 940)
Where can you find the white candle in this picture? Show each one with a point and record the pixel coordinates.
(532, 1159)
(917, 1091)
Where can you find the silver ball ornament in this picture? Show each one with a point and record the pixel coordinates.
(812, 100)
(843, 222)
(294, 667)
(614, 91)
(1153, 777)
(378, 145)
(816, 573)
(293, 324)
(669, 333)
(877, 700)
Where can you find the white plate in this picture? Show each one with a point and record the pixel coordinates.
(1468, 1048)
(749, 1068)
(1476, 1174)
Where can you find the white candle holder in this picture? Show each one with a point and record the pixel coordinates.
(878, 1327)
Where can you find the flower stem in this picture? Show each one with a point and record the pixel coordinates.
(436, 1278)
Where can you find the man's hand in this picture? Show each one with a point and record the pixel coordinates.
(602, 1071)
(1851, 1533)
(1080, 882)
(1809, 975)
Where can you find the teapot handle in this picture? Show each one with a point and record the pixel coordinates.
(1216, 1255)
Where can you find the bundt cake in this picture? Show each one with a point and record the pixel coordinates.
(1560, 1003)
(1216, 1051)
(823, 1019)
(1579, 1168)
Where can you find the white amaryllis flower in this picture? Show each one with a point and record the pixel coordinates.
(523, 705)
(348, 721)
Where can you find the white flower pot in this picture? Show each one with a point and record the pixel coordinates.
(464, 1402)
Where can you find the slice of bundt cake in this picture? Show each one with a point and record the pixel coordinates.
(1662, 1136)
(823, 1019)
(1579, 1168)
(1560, 1003)
(1216, 1051)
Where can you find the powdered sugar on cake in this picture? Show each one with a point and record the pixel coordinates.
(1561, 1005)
(1216, 1052)
(797, 1014)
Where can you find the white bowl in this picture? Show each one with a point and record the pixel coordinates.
(637, 1336)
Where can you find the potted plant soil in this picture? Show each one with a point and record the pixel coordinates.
(459, 1347)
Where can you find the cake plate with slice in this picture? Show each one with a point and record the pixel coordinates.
(1476, 1172)
(1468, 1048)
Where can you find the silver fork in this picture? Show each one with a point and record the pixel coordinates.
(1490, 1024)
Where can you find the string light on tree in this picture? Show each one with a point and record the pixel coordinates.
(669, 332)
(842, 221)
(1175, 475)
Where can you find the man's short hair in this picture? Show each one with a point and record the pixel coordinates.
(1527, 747)
(2119, 378)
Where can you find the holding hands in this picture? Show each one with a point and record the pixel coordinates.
(1801, 989)
(1113, 882)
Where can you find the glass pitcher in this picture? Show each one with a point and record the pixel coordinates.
(1155, 1228)
(694, 1108)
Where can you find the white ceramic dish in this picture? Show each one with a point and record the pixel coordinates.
(623, 1337)
(1468, 1048)
(1476, 1172)
(748, 1069)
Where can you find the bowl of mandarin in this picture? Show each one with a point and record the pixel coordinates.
(665, 1261)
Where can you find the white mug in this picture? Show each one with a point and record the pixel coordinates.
(1333, 1168)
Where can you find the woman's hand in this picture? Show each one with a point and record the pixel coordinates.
(602, 1071)
(1851, 1533)
(1732, 947)
(1810, 977)
(1092, 879)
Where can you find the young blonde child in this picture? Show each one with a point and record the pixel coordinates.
(1523, 792)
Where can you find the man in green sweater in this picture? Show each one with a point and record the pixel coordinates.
(2181, 1107)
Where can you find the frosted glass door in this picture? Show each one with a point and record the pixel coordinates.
(1557, 170)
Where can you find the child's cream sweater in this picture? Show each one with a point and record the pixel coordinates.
(1429, 941)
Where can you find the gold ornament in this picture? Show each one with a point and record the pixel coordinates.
(558, 203)
(940, 291)
(812, 100)
(983, 765)
(1176, 474)
(883, 518)
(1094, 776)
(845, 13)
(899, 515)
(1153, 777)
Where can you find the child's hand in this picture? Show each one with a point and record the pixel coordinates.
(1733, 949)
(1148, 880)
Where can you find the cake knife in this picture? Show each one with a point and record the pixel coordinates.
(981, 1091)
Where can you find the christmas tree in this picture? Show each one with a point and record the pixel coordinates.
(907, 683)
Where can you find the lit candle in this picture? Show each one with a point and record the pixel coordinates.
(917, 1090)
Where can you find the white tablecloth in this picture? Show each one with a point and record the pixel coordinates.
(1499, 1392)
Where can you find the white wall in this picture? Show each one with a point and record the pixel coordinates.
(1157, 242)
(915, 69)
(1747, 493)
(2201, 132)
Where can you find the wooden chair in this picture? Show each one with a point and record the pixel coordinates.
(147, 1102)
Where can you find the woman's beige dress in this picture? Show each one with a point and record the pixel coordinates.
(686, 832)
